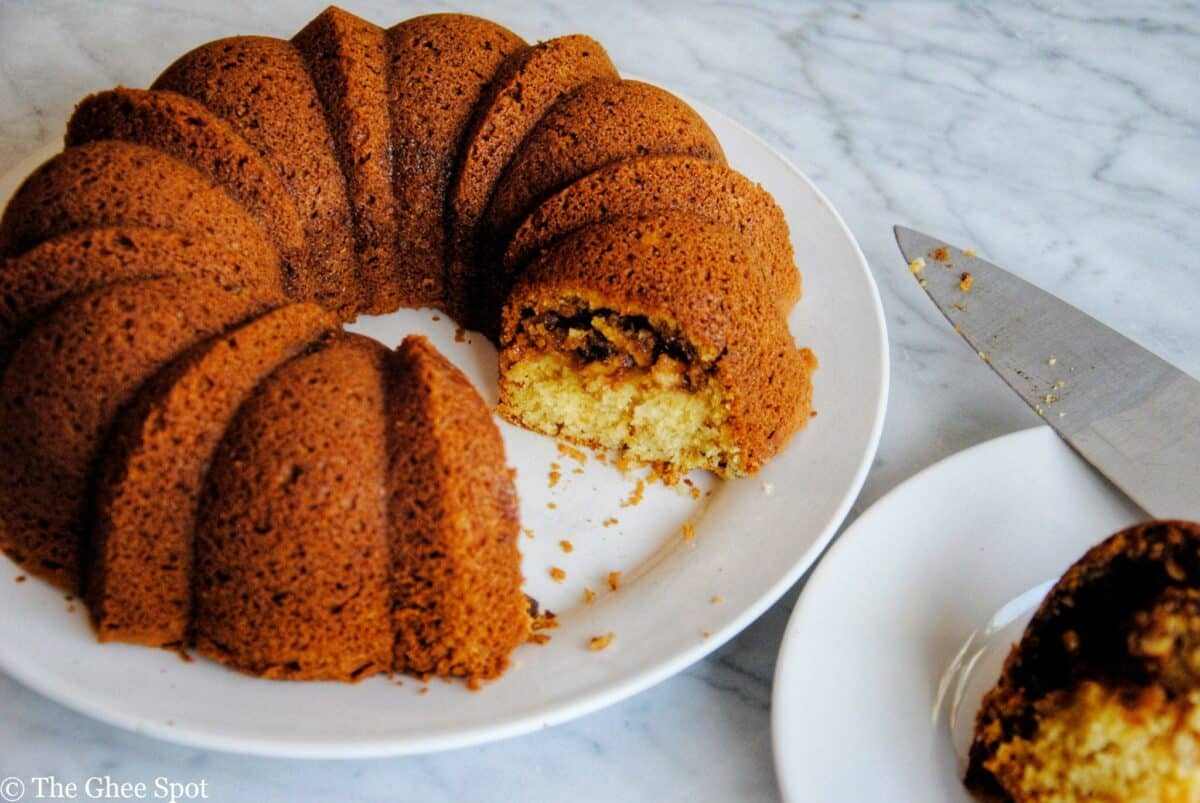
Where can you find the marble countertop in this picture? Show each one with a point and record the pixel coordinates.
(1061, 140)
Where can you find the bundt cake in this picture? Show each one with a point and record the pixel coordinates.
(189, 440)
(1100, 699)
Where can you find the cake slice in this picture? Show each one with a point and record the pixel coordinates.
(114, 183)
(459, 608)
(261, 87)
(65, 384)
(600, 123)
(1100, 699)
(693, 368)
(85, 260)
(185, 129)
(440, 65)
(527, 84)
(152, 471)
(293, 561)
(647, 185)
(347, 60)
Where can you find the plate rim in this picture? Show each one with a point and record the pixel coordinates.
(554, 713)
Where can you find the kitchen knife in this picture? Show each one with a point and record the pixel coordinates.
(1132, 415)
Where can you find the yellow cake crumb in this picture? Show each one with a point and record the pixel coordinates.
(567, 450)
(589, 596)
(609, 522)
(717, 600)
(689, 532)
(566, 546)
(614, 580)
(598, 643)
(635, 497)
(557, 574)
(916, 266)
(528, 532)
(970, 252)
(965, 282)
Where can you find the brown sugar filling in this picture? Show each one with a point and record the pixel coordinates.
(617, 343)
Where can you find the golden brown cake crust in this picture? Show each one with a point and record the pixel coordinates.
(527, 84)
(647, 185)
(64, 386)
(114, 183)
(82, 261)
(1082, 633)
(701, 278)
(293, 564)
(151, 473)
(261, 87)
(440, 66)
(347, 59)
(185, 129)
(459, 607)
(600, 123)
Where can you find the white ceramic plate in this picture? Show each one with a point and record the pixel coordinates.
(856, 714)
(749, 547)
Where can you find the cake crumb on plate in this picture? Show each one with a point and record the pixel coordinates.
(598, 643)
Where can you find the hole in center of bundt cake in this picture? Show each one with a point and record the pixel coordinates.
(617, 381)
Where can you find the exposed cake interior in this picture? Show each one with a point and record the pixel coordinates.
(620, 381)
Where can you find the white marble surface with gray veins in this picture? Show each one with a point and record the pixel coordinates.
(1060, 139)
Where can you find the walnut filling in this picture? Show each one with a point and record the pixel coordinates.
(621, 382)
(615, 344)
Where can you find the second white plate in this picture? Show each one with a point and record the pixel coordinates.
(855, 711)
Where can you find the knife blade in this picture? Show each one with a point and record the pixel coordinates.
(1129, 413)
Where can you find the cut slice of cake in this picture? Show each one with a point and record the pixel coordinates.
(150, 477)
(688, 365)
(187, 130)
(347, 60)
(81, 261)
(647, 185)
(441, 62)
(65, 384)
(116, 183)
(293, 560)
(459, 607)
(261, 86)
(527, 84)
(598, 124)
(1100, 700)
